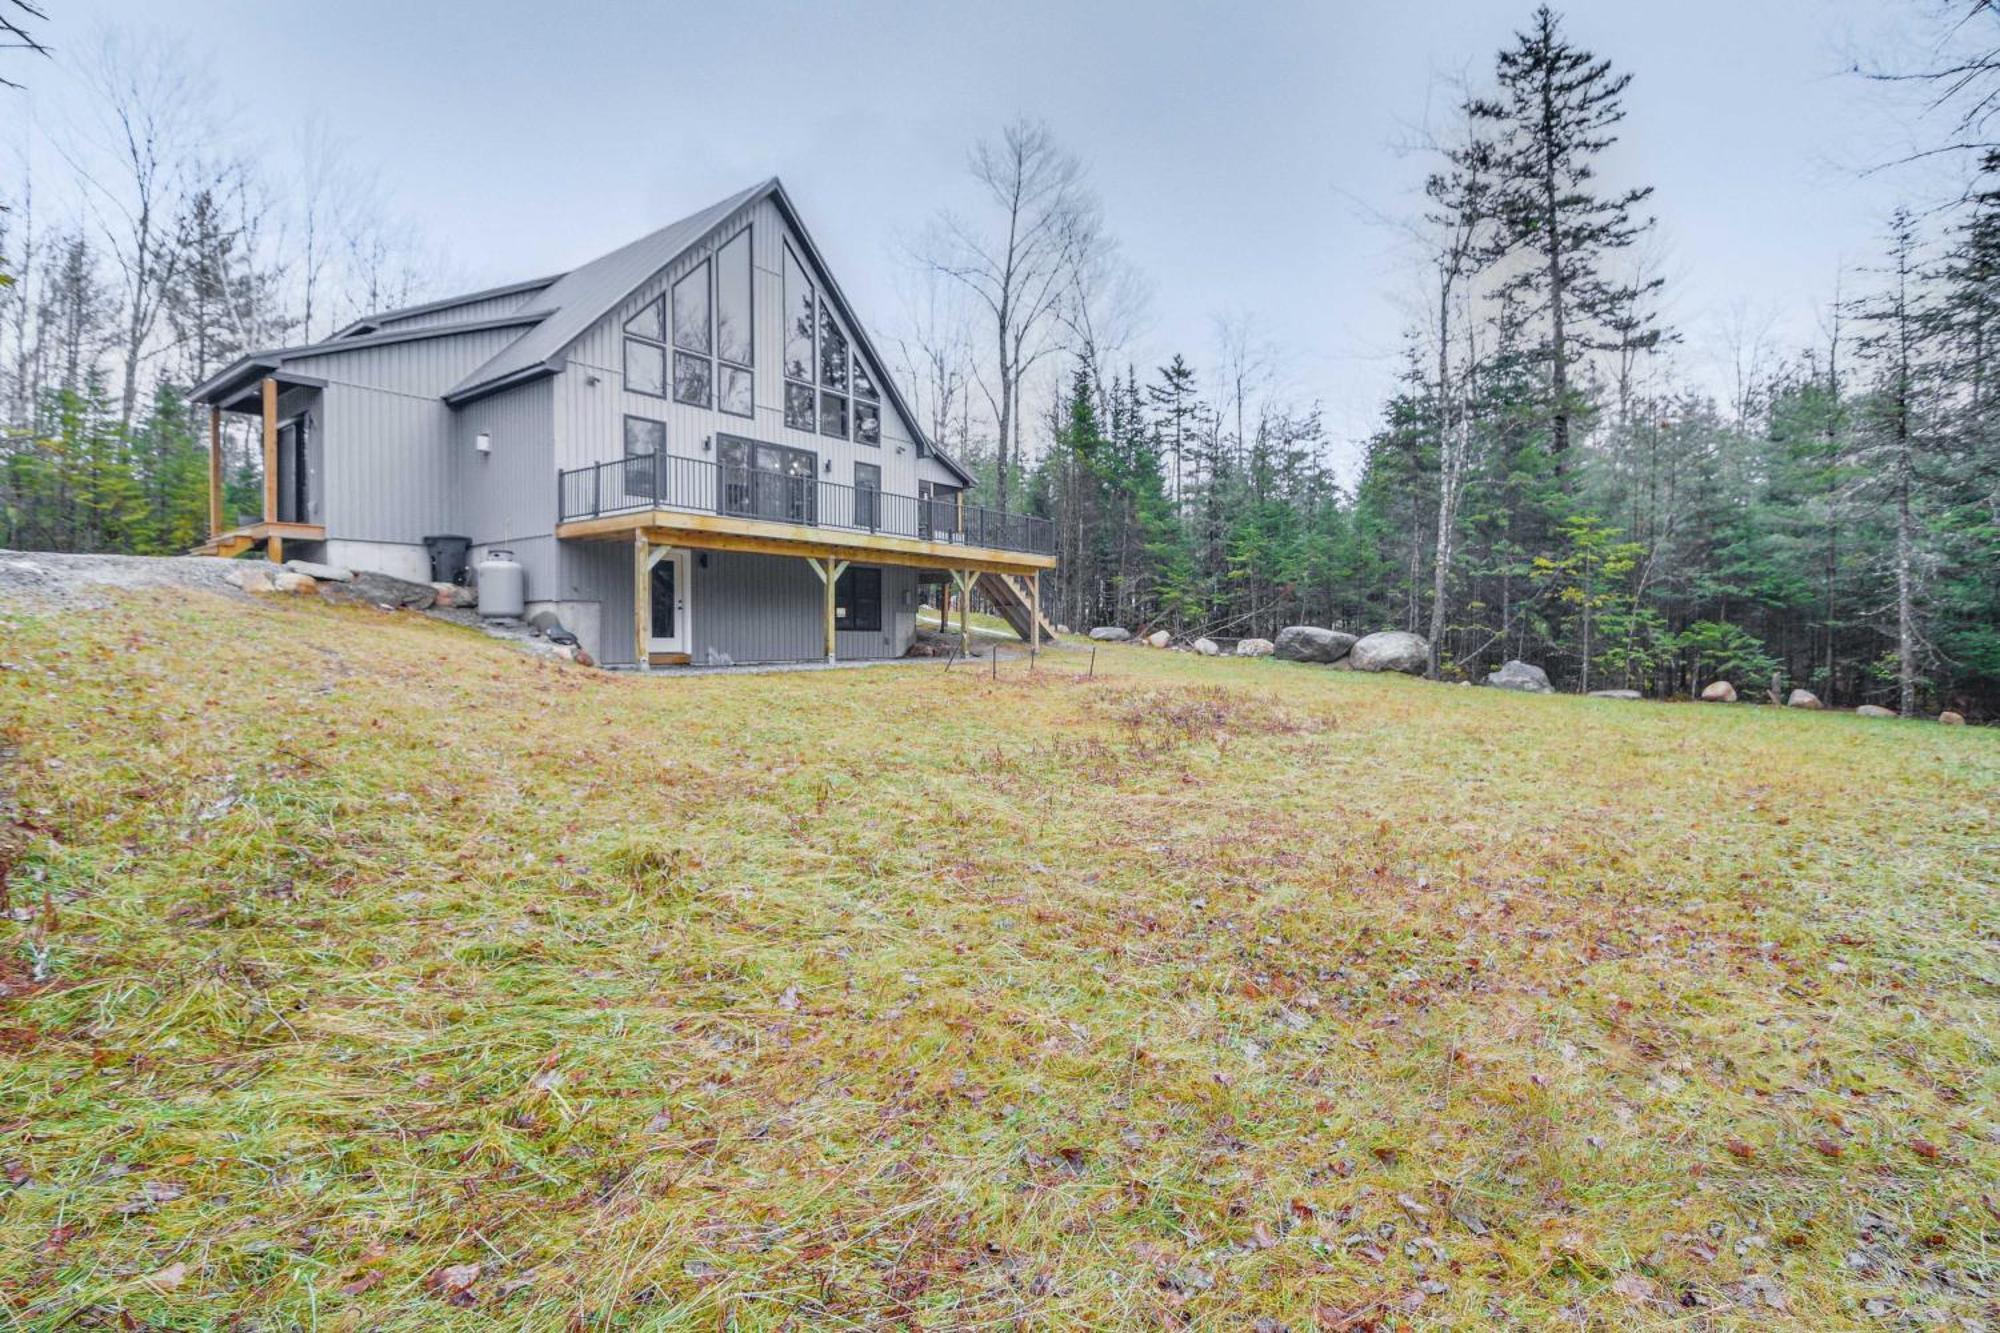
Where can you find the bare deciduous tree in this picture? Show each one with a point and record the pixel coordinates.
(1021, 263)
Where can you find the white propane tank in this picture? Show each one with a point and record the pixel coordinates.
(503, 586)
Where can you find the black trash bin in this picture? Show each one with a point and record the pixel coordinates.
(448, 555)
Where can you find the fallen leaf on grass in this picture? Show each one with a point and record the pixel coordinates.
(168, 1278)
(369, 1277)
(1739, 1149)
(1828, 1147)
(454, 1284)
(1635, 1288)
(1925, 1149)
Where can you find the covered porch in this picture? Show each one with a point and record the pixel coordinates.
(658, 537)
(281, 406)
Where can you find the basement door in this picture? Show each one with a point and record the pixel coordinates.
(670, 602)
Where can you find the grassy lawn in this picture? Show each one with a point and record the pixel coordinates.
(396, 980)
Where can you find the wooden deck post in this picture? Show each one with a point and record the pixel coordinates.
(274, 547)
(642, 602)
(214, 471)
(1034, 615)
(829, 575)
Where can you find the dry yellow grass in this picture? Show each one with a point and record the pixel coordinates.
(394, 980)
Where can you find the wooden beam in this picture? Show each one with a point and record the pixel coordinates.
(965, 578)
(721, 532)
(215, 471)
(274, 548)
(270, 450)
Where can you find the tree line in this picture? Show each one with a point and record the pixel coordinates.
(1540, 486)
(163, 253)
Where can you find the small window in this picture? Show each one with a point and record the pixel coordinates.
(736, 394)
(857, 599)
(649, 323)
(691, 379)
(864, 386)
(732, 300)
(832, 352)
(833, 415)
(644, 438)
(867, 422)
(799, 407)
(645, 367)
(691, 322)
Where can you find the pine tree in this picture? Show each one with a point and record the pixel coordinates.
(1549, 123)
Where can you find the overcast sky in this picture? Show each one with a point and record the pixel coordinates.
(1245, 153)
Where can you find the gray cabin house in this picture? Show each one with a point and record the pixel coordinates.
(688, 444)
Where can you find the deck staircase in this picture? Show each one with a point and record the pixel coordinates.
(1011, 602)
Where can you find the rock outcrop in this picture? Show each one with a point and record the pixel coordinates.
(1802, 699)
(1110, 634)
(1719, 692)
(1255, 647)
(1208, 647)
(322, 573)
(1874, 710)
(1616, 694)
(1391, 650)
(1159, 638)
(1951, 719)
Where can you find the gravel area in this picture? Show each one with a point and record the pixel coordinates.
(46, 580)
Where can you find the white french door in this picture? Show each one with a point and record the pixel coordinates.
(669, 588)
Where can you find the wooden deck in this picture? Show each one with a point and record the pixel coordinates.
(721, 532)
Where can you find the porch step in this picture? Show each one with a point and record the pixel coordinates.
(228, 546)
(1012, 603)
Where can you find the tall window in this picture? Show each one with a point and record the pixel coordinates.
(704, 326)
(766, 480)
(827, 387)
(867, 495)
(645, 452)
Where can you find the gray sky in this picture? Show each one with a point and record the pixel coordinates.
(1244, 152)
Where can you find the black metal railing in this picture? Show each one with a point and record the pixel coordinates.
(695, 485)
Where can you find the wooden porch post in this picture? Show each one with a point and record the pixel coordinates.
(642, 602)
(214, 471)
(274, 547)
(964, 578)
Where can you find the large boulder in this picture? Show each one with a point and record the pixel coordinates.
(1523, 676)
(1310, 643)
(322, 573)
(1110, 634)
(368, 588)
(1391, 650)
(1208, 647)
(1616, 694)
(1951, 719)
(1255, 647)
(1802, 699)
(250, 577)
(1874, 710)
(1159, 638)
(1719, 692)
(290, 580)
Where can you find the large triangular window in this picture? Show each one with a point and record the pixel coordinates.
(828, 387)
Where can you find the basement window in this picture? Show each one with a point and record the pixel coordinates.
(857, 599)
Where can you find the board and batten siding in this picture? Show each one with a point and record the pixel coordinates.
(592, 401)
(770, 608)
(391, 460)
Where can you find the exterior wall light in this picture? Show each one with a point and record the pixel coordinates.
(483, 442)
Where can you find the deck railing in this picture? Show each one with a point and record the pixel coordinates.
(695, 485)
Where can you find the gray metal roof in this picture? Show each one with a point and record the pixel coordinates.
(570, 304)
(369, 323)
